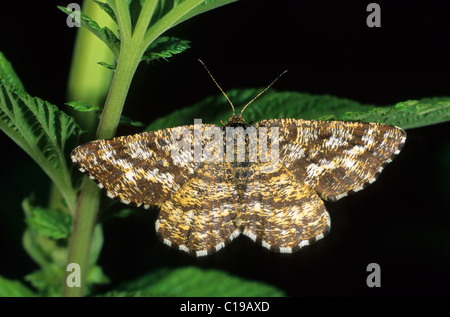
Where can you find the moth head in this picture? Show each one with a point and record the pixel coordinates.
(236, 120)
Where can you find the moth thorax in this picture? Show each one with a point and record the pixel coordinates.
(241, 143)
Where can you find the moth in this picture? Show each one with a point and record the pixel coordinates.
(205, 203)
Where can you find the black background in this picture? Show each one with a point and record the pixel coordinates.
(401, 222)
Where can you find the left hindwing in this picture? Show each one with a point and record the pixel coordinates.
(335, 157)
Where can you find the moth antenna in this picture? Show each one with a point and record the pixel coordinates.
(214, 80)
(264, 90)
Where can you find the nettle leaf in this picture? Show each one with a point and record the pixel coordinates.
(40, 245)
(130, 122)
(165, 47)
(103, 33)
(165, 6)
(47, 280)
(122, 294)
(107, 65)
(207, 5)
(53, 224)
(193, 282)
(96, 245)
(113, 214)
(407, 115)
(9, 288)
(82, 106)
(96, 275)
(162, 8)
(42, 131)
(85, 107)
(9, 75)
(35, 124)
(107, 8)
(51, 255)
(274, 104)
(44, 228)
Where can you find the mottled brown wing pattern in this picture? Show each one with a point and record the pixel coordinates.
(281, 213)
(197, 200)
(336, 158)
(137, 169)
(204, 205)
(200, 217)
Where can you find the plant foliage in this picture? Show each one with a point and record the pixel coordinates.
(195, 282)
(289, 104)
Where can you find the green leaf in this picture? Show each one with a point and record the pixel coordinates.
(193, 282)
(274, 104)
(82, 106)
(9, 288)
(85, 107)
(96, 245)
(165, 47)
(47, 280)
(103, 33)
(128, 121)
(204, 7)
(38, 238)
(107, 65)
(42, 131)
(122, 294)
(96, 275)
(53, 224)
(407, 115)
(52, 259)
(165, 6)
(32, 246)
(167, 14)
(112, 214)
(49, 254)
(123, 213)
(8, 74)
(162, 8)
(107, 8)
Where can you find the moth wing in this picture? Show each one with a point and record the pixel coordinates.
(141, 169)
(281, 213)
(200, 217)
(334, 157)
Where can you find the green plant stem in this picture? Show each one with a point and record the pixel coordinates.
(90, 83)
(126, 66)
(87, 209)
(85, 220)
(131, 51)
(123, 18)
